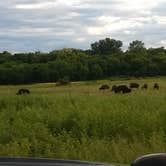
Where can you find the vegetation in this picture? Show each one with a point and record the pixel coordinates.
(78, 121)
(62, 82)
(105, 59)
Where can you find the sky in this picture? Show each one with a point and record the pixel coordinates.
(46, 25)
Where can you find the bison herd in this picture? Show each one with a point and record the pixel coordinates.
(127, 89)
(115, 88)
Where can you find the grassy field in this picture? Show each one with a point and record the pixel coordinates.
(80, 122)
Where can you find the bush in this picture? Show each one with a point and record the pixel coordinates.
(63, 81)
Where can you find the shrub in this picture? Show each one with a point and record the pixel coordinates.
(63, 81)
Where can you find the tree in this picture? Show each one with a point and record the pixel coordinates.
(6, 53)
(106, 46)
(155, 52)
(95, 72)
(136, 46)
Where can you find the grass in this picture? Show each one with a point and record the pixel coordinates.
(80, 122)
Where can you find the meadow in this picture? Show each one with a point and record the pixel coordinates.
(80, 122)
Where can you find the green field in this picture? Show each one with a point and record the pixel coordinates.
(80, 122)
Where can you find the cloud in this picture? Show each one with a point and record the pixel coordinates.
(43, 5)
(28, 25)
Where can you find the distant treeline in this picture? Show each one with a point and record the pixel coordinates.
(103, 60)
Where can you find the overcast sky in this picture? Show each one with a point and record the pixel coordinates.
(45, 25)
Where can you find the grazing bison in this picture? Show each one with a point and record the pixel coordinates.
(113, 87)
(134, 85)
(156, 86)
(158, 159)
(104, 87)
(23, 91)
(144, 86)
(121, 89)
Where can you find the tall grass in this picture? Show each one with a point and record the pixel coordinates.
(79, 122)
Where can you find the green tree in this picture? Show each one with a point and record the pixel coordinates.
(137, 47)
(106, 47)
(95, 72)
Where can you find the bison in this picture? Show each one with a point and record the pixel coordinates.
(121, 89)
(145, 86)
(156, 86)
(23, 91)
(113, 87)
(134, 85)
(104, 87)
(158, 159)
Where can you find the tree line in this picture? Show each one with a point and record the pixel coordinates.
(105, 59)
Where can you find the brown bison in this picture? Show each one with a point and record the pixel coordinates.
(144, 86)
(158, 159)
(156, 86)
(104, 87)
(121, 89)
(134, 85)
(23, 91)
(113, 87)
